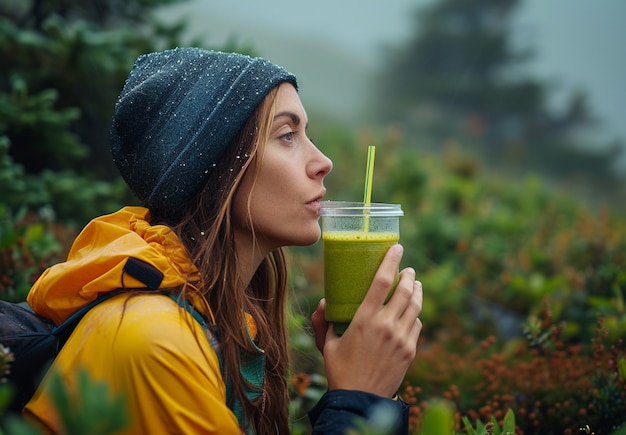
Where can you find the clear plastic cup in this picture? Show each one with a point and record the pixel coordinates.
(355, 237)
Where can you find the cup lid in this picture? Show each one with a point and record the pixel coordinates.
(347, 208)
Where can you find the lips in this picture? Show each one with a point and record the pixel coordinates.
(316, 206)
(318, 197)
(315, 203)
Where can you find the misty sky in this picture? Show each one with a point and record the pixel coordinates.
(578, 43)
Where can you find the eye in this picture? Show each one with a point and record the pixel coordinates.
(289, 137)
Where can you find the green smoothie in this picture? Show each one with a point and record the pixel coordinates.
(351, 259)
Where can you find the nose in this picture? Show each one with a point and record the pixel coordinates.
(319, 164)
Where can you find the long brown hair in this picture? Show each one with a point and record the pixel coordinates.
(206, 231)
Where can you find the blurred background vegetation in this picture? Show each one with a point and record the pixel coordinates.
(513, 221)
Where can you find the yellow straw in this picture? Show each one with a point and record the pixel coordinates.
(369, 175)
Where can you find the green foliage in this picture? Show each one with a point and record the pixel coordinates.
(31, 239)
(82, 52)
(438, 418)
(500, 248)
(90, 409)
(32, 119)
(552, 388)
(26, 246)
(508, 426)
(63, 196)
(16, 426)
(6, 390)
(306, 385)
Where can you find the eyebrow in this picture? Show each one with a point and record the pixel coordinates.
(291, 115)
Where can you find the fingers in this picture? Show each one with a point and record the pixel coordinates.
(409, 317)
(320, 325)
(402, 313)
(403, 292)
(385, 275)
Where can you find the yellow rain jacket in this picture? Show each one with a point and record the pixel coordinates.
(145, 347)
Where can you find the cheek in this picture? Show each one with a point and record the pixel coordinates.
(273, 196)
(268, 203)
(257, 205)
(272, 185)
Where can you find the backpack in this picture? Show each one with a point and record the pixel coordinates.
(34, 342)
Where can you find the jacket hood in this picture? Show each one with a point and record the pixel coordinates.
(98, 263)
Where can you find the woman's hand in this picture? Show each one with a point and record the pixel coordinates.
(376, 350)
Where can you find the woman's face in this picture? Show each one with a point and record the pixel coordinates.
(281, 201)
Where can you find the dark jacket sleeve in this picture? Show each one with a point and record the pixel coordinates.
(338, 410)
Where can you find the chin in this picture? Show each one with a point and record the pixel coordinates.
(308, 238)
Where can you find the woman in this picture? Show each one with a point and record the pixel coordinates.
(194, 339)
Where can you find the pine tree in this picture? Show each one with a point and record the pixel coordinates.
(78, 53)
(62, 66)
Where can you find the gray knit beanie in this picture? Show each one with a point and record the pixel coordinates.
(176, 115)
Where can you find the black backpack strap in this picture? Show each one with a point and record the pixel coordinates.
(138, 269)
(144, 272)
